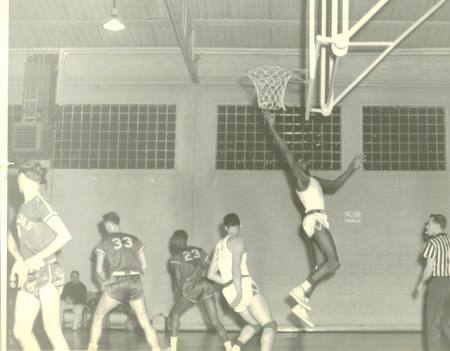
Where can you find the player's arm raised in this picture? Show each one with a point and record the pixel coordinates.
(331, 186)
(301, 177)
(213, 271)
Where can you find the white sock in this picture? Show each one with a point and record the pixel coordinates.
(92, 347)
(306, 285)
(156, 349)
(173, 343)
(236, 348)
(227, 345)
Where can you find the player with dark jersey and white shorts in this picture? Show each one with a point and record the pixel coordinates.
(126, 259)
(41, 233)
(189, 267)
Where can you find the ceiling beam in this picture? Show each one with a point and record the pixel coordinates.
(295, 22)
(184, 32)
(206, 22)
(89, 22)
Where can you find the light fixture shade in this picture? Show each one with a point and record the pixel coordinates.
(114, 23)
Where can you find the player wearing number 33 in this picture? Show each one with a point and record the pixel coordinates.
(126, 258)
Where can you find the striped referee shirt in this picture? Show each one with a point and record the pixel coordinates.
(438, 248)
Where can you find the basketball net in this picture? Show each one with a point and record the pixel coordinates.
(270, 83)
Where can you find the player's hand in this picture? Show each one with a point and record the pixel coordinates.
(270, 118)
(19, 272)
(68, 300)
(106, 283)
(34, 264)
(418, 290)
(358, 160)
(236, 301)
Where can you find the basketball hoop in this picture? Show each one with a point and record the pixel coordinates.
(270, 83)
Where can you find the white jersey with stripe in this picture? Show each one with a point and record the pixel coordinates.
(438, 248)
(312, 197)
(224, 258)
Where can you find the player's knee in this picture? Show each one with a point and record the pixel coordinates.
(271, 326)
(21, 333)
(53, 330)
(143, 319)
(256, 327)
(333, 265)
(98, 317)
(175, 316)
(215, 324)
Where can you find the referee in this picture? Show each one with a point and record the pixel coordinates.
(437, 274)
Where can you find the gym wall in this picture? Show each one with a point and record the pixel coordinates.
(379, 256)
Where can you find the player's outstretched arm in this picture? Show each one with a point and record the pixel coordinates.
(331, 186)
(301, 176)
(213, 271)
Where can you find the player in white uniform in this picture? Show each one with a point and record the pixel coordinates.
(229, 269)
(315, 221)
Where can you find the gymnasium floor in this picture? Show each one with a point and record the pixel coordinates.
(196, 341)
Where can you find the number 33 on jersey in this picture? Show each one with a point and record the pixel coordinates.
(126, 242)
(121, 250)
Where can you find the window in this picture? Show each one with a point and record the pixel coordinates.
(14, 113)
(404, 138)
(116, 137)
(244, 142)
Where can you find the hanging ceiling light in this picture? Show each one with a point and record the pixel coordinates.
(114, 23)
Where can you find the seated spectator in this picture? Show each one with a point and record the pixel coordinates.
(74, 298)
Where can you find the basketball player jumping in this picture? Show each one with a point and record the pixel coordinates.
(189, 266)
(310, 191)
(126, 258)
(41, 233)
(229, 269)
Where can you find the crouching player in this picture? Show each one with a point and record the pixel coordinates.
(229, 268)
(189, 267)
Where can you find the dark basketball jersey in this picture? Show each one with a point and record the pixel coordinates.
(32, 229)
(122, 251)
(191, 261)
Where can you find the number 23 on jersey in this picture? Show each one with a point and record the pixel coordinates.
(191, 255)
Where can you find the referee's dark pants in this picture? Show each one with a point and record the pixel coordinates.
(437, 311)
